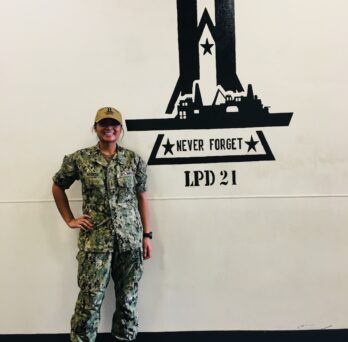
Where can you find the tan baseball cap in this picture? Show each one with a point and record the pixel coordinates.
(108, 113)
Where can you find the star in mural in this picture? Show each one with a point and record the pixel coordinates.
(251, 144)
(168, 147)
(207, 47)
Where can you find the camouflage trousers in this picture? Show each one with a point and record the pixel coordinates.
(94, 270)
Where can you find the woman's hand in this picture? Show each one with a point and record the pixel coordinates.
(82, 222)
(147, 248)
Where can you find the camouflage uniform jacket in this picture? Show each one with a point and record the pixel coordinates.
(109, 192)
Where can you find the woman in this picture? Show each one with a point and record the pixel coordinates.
(114, 235)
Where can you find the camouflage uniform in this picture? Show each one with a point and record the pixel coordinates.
(114, 245)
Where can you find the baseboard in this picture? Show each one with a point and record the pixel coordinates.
(329, 335)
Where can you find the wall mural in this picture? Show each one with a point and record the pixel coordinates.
(209, 96)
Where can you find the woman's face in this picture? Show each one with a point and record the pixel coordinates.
(108, 130)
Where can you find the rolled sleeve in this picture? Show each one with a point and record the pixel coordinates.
(141, 176)
(67, 174)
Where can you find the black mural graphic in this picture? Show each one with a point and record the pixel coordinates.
(236, 110)
(168, 148)
(209, 95)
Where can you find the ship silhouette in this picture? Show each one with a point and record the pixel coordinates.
(233, 112)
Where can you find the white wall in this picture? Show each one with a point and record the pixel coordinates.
(269, 253)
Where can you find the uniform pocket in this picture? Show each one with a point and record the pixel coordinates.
(126, 181)
(92, 182)
(94, 271)
(80, 257)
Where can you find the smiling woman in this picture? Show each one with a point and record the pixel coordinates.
(114, 233)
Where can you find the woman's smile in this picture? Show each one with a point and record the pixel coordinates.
(109, 133)
(108, 130)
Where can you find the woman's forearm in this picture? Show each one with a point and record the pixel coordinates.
(62, 203)
(144, 211)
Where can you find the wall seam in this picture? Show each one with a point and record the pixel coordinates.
(299, 196)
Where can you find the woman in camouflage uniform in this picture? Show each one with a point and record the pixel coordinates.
(114, 235)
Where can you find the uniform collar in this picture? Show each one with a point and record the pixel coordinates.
(97, 156)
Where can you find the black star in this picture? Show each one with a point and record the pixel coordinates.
(251, 143)
(207, 47)
(168, 147)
